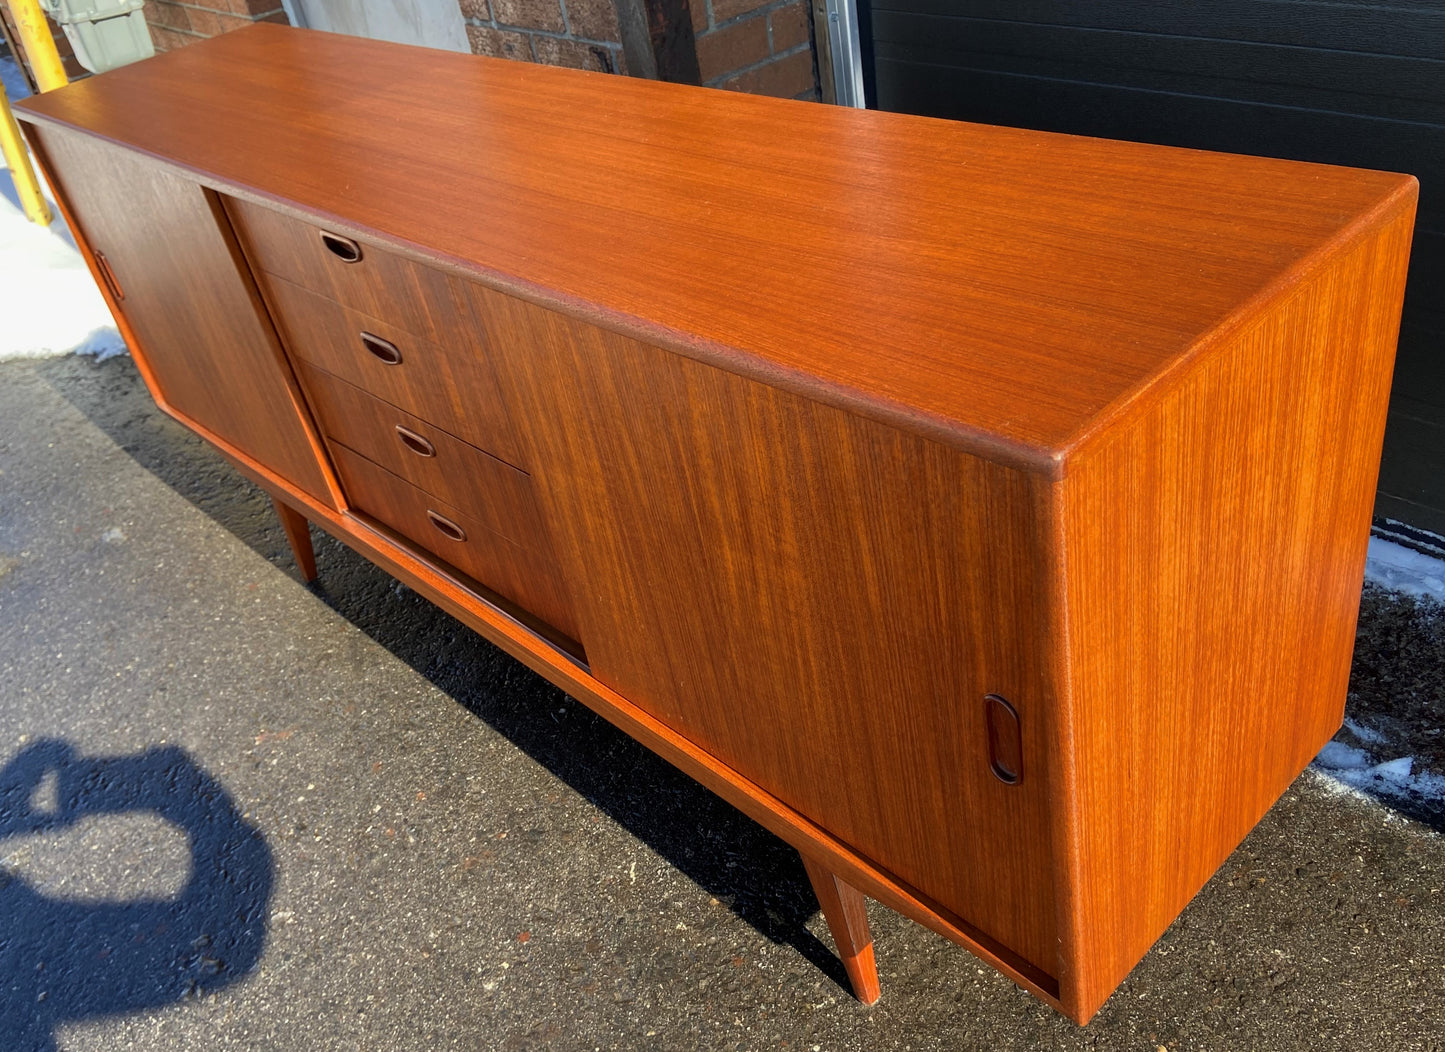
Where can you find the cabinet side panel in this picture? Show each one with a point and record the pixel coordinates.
(188, 299)
(820, 601)
(1213, 552)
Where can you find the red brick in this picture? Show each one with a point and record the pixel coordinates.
(478, 9)
(214, 23)
(556, 51)
(205, 22)
(727, 10)
(530, 14)
(169, 40)
(783, 78)
(499, 43)
(790, 27)
(163, 13)
(593, 19)
(254, 8)
(720, 51)
(698, 10)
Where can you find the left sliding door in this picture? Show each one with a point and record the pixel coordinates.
(176, 275)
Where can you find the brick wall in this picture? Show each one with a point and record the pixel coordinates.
(582, 34)
(176, 23)
(764, 47)
(759, 46)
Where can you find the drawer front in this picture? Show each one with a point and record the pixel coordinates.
(520, 575)
(453, 387)
(420, 299)
(490, 491)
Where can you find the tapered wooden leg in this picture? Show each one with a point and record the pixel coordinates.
(298, 534)
(847, 915)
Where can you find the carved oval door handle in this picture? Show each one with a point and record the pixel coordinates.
(1005, 740)
(108, 276)
(343, 248)
(446, 527)
(414, 442)
(385, 350)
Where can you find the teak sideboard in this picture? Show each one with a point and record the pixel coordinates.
(981, 510)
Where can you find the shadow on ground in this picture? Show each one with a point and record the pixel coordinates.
(64, 958)
(758, 876)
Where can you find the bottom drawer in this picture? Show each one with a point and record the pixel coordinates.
(517, 574)
(491, 491)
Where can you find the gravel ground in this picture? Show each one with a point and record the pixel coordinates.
(238, 812)
(1396, 704)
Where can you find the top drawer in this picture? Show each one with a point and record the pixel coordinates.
(358, 274)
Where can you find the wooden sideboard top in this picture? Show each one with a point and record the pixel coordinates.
(1002, 290)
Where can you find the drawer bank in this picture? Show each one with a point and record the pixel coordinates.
(983, 511)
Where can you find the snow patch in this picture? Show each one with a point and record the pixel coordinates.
(1402, 569)
(1368, 735)
(1395, 778)
(1337, 756)
(48, 300)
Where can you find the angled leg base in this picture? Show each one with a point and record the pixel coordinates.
(846, 912)
(298, 535)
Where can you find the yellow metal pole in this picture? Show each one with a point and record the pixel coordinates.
(18, 161)
(39, 45)
(49, 71)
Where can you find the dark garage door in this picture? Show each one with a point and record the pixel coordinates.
(1344, 82)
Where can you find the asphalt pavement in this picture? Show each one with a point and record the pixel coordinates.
(237, 812)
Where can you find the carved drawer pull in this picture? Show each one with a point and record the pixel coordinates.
(446, 527)
(343, 248)
(414, 442)
(108, 276)
(1005, 740)
(383, 349)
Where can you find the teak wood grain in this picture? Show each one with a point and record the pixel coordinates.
(1004, 290)
(379, 283)
(1234, 516)
(298, 536)
(177, 279)
(847, 913)
(783, 557)
(867, 419)
(454, 387)
(823, 849)
(491, 491)
(520, 574)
